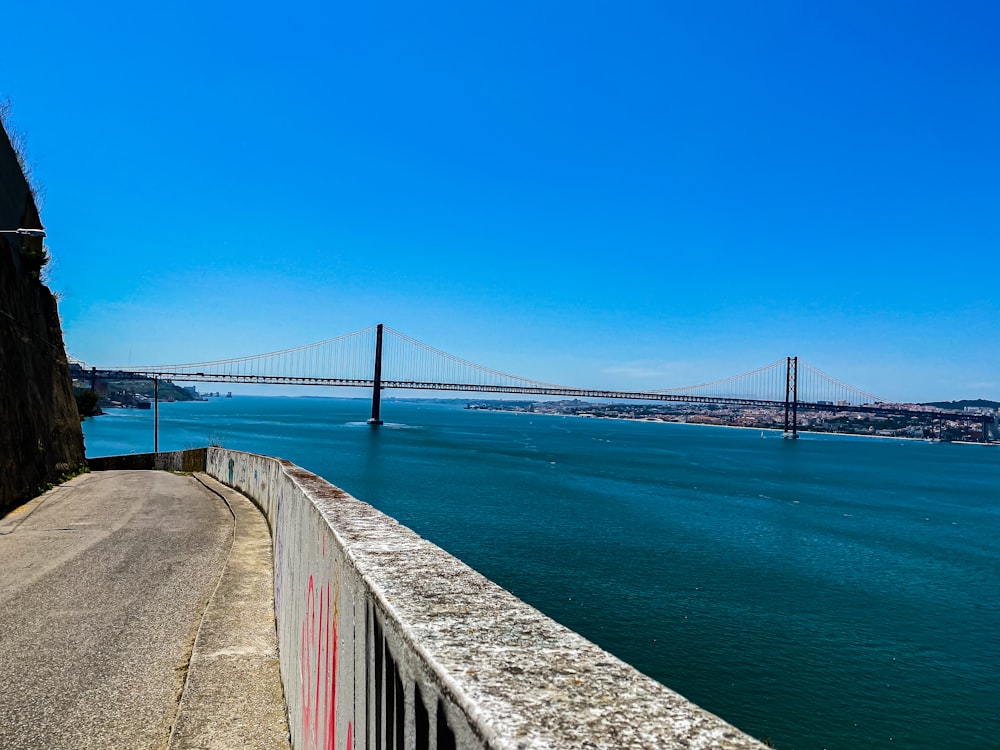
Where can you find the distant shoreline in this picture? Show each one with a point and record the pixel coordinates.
(773, 431)
(777, 430)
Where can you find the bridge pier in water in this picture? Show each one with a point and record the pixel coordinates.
(376, 418)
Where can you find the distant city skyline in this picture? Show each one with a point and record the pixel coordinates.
(635, 197)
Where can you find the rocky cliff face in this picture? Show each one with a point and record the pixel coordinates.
(40, 434)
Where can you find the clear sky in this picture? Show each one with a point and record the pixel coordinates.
(628, 194)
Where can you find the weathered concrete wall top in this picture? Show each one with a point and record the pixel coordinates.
(386, 638)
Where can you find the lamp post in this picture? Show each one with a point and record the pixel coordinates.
(156, 415)
(24, 232)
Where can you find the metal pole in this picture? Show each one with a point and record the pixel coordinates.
(156, 415)
(377, 381)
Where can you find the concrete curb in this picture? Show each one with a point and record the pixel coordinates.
(232, 695)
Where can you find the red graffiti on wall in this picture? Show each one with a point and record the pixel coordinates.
(318, 670)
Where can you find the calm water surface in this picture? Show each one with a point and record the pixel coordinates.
(824, 593)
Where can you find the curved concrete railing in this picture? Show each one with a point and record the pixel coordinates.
(387, 641)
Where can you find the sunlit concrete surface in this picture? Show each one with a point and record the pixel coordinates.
(105, 586)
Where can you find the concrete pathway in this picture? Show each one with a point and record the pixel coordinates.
(107, 585)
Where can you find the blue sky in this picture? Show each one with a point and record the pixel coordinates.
(632, 195)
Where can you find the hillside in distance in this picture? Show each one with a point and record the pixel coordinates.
(959, 405)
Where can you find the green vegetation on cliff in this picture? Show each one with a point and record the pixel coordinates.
(87, 402)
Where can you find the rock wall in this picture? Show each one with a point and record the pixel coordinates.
(40, 433)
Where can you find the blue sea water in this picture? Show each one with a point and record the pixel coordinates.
(829, 592)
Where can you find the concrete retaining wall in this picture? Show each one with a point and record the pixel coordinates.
(189, 460)
(387, 641)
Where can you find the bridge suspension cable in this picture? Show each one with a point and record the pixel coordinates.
(765, 383)
(770, 381)
(348, 357)
(816, 386)
(409, 360)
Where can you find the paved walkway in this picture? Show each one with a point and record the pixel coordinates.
(135, 612)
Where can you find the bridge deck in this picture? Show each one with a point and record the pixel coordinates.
(543, 390)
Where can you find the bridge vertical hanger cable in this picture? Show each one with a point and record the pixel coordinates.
(824, 387)
(735, 386)
(434, 365)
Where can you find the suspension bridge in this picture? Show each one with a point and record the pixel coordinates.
(382, 358)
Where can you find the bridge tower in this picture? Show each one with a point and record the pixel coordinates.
(791, 397)
(376, 419)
